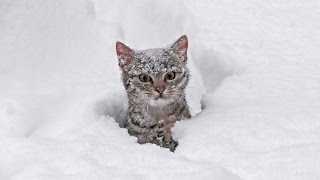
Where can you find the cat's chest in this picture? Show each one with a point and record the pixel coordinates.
(154, 115)
(158, 114)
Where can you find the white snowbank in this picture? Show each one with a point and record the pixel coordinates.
(61, 98)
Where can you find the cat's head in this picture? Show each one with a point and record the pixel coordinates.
(156, 76)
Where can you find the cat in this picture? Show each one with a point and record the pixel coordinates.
(155, 81)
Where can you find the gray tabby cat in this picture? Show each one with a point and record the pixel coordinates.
(155, 80)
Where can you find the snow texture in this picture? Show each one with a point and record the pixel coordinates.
(254, 66)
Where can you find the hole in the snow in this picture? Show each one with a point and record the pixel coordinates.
(115, 105)
(214, 67)
(211, 66)
(203, 104)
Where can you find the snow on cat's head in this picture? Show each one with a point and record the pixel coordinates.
(156, 76)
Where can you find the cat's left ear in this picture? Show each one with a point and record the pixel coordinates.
(180, 48)
(124, 53)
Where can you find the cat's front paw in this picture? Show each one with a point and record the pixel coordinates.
(167, 123)
(172, 145)
(164, 133)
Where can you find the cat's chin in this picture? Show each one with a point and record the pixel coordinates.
(159, 102)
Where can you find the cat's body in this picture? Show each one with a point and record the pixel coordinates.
(155, 81)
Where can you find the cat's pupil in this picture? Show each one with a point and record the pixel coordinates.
(170, 76)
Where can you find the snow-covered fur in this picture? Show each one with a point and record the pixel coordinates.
(155, 80)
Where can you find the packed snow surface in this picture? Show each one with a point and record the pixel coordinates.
(255, 69)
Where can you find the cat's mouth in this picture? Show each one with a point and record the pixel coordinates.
(160, 96)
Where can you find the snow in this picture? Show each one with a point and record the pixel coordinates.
(255, 70)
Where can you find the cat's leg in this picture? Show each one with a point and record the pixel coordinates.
(159, 134)
(165, 135)
(144, 134)
(165, 127)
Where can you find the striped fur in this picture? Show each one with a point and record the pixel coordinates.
(152, 112)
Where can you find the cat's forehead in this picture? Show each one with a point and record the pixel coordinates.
(157, 55)
(153, 61)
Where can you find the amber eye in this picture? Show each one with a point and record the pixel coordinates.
(144, 78)
(170, 75)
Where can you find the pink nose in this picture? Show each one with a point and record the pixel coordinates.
(159, 89)
(158, 85)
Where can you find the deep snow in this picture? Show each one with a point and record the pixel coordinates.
(61, 98)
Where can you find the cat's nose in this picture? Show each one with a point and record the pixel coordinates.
(159, 89)
(158, 86)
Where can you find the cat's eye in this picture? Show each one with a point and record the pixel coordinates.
(144, 78)
(170, 75)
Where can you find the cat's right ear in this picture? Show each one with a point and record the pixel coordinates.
(124, 53)
(180, 48)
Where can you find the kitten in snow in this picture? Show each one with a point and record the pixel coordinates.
(155, 81)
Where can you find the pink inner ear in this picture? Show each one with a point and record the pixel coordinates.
(123, 50)
(124, 54)
(119, 52)
(183, 42)
(180, 47)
